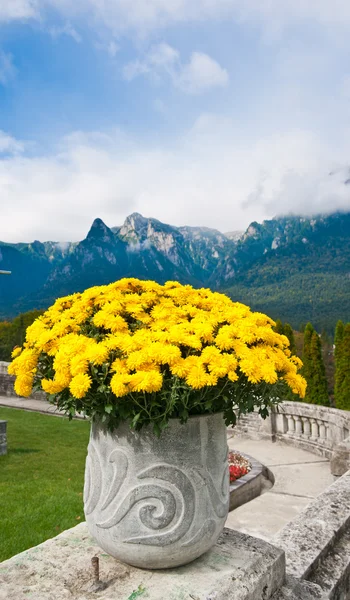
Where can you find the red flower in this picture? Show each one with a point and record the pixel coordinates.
(236, 472)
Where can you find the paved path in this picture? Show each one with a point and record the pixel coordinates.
(32, 404)
(299, 477)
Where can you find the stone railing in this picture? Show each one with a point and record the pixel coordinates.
(318, 429)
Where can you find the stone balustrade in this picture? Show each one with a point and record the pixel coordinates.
(318, 429)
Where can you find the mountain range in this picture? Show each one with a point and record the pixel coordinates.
(293, 268)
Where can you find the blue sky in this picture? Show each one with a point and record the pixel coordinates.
(197, 112)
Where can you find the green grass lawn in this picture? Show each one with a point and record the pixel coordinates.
(41, 478)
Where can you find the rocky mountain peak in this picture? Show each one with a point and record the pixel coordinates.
(134, 228)
(100, 231)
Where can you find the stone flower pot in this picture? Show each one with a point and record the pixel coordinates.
(158, 502)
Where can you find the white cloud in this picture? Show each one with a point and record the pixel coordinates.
(209, 177)
(145, 16)
(66, 29)
(112, 48)
(199, 75)
(160, 59)
(9, 145)
(18, 9)
(7, 68)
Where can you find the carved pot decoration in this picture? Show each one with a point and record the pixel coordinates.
(155, 502)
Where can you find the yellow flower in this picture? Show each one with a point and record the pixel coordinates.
(24, 384)
(80, 384)
(51, 387)
(197, 378)
(16, 352)
(79, 364)
(97, 353)
(146, 381)
(143, 329)
(119, 385)
(119, 366)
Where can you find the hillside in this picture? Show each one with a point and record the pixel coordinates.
(294, 268)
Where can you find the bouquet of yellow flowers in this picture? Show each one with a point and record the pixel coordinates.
(141, 352)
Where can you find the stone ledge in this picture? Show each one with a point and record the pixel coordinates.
(238, 567)
(251, 485)
(314, 532)
(333, 571)
(299, 590)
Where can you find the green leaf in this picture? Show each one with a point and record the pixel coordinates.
(135, 419)
(108, 408)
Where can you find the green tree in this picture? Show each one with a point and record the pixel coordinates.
(318, 389)
(338, 339)
(289, 333)
(313, 368)
(13, 333)
(279, 327)
(5, 340)
(306, 356)
(342, 373)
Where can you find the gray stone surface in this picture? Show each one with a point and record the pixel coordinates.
(267, 514)
(272, 454)
(3, 437)
(293, 589)
(314, 532)
(306, 480)
(238, 567)
(158, 502)
(33, 404)
(332, 573)
(264, 516)
(340, 461)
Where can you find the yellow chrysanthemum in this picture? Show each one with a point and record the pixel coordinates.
(119, 385)
(24, 384)
(145, 330)
(51, 387)
(79, 364)
(16, 352)
(80, 384)
(146, 381)
(119, 365)
(197, 378)
(97, 353)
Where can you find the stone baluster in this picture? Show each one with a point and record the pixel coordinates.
(314, 429)
(298, 425)
(291, 425)
(306, 427)
(322, 429)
